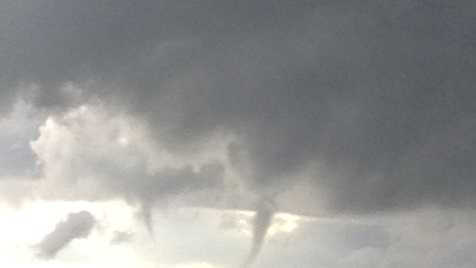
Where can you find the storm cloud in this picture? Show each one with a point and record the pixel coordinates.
(369, 104)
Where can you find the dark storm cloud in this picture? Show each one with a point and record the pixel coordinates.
(376, 98)
(51, 42)
(76, 225)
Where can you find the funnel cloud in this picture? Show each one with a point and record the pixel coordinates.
(262, 221)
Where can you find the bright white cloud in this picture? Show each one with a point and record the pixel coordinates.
(104, 154)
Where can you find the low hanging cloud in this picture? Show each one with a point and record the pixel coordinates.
(77, 225)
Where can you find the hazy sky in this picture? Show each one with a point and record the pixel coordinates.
(207, 134)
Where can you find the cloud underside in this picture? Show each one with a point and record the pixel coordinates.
(344, 106)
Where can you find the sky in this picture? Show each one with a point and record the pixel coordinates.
(237, 134)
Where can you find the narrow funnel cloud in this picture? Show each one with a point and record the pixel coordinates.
(262, 221)
(146, 215)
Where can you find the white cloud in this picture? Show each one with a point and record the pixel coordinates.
(103, 155)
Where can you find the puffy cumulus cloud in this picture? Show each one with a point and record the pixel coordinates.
(93, 154)
(76, 225)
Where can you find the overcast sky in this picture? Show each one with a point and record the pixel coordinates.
(207, 134)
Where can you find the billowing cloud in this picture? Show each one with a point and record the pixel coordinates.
(76, 225)
(92, 154)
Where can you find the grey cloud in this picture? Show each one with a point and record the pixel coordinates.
(137, 186)
(52, 42)
(373, 99)
(166, 186)
(77, 225)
